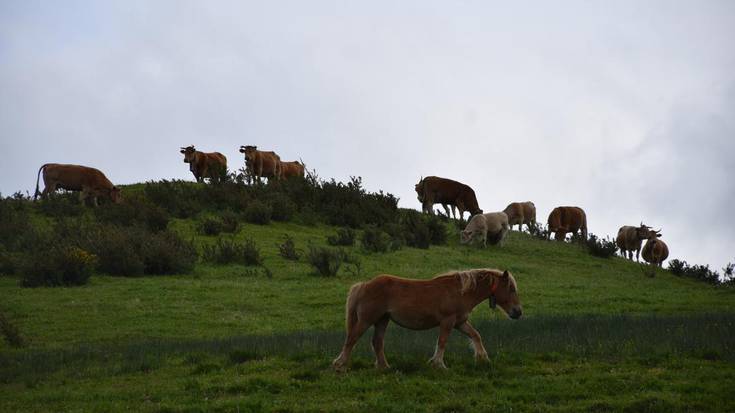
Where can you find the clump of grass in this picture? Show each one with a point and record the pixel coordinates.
(230, 222)
(209, 226)
(10, 332)
(228, 251)
(599, 247)
(288, 249)
(374, 239)
(344, 237)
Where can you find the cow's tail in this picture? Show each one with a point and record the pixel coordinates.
(38, 177)
(351, 305)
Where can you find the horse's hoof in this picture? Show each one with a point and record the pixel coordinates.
(382, 366)
(439, 364)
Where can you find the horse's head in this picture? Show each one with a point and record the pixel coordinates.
(504, 292)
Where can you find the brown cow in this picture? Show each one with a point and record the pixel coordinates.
(565, 219)
(210, 165)
(289, 169)
(260, 163)
(630, 239)
(90, 181)
(655, 251)
(435, 190)
(521, 213)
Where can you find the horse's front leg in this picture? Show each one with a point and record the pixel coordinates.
(445, 328)
(469, 331)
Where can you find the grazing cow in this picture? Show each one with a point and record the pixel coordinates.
(210, 165)
(435, 190)
(90, 181)
(444, 301)
(630, 239)
(490, 227)
(563, 220)
(655, 251)
(261, 164)
(290, 169)
(521, 213)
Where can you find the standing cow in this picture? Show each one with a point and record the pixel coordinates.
(212, 165)
(261, 163)
(521, 213)
(565, 219)
(291, 169)
(630, 239)
(435, 190)
(655, 251)
(489, 227)
(90, 181)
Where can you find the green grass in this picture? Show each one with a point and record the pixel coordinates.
(597, 335)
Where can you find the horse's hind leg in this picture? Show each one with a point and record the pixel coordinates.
(469, 331)
(354, 332)
(378, 344)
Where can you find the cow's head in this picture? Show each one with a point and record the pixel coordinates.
(188, 153)
(645, 232)
(115, 195)
(249, 152)
(419, 187)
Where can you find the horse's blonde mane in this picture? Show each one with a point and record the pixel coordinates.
(468, 278)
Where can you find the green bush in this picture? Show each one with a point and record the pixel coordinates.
(257, 213)
(62, 205)
(209, 226)
(698, 272)
(604, 248)
(167, 253)
(228, 251)
(282, 208)
(288, 249)
(134, 211)
(230, 222)
(376, 240)
(62, 265)
(118, 250)
(344, 237)
(325, 261)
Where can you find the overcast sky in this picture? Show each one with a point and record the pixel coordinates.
(626, 109)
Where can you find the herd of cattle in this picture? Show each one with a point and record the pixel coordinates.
(488, 227)
(493, 226)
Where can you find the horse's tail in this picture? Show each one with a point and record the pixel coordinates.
(38, 177)
(351, 305)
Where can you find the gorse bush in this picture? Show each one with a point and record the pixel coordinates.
(281, 206)
(166, 252)
(325, 261)
(343, 237)
(697, 272)
(374, 239)
(258, 213)
(134, 211)
(230, 222)
(59, 266)
(604, 248)
(209, 226)
(421, 230)
(229, 251)
(288, 249)
(538, 231)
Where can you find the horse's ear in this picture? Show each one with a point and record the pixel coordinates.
(505, 274)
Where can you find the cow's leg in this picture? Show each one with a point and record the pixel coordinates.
(637, 255)
(445, 328)
(354, 332)
(446, 209)
(378, 342)
(469, 331)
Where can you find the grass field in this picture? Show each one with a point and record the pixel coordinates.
(597, 335)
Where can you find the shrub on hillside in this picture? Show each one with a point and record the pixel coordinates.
(209, 226)
(538, 231)
(61, 205)
(420, 230)
(325, 261)
(134, 211)
(282, 208)
(230, 222)
(344, 237)
(374, 239)
(166, 252)
(604, 248)
(229, 251)
(62, 265)
(257, 213)
(288, 249)
(179, 198)
(697, 272)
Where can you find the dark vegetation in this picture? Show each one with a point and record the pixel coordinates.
(229, 251)
(288, 249)
(703, 272)
(599, 247)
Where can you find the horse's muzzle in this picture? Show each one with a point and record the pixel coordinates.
(515, 313)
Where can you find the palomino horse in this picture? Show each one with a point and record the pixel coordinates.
(445, 301)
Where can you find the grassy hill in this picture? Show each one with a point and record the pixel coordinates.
(597, 335)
